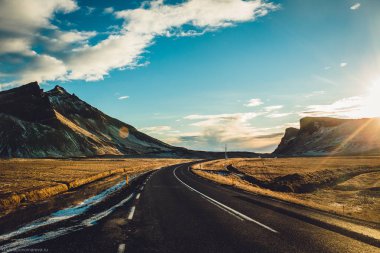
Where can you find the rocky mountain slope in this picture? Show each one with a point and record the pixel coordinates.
(331, 136)
(34, 123)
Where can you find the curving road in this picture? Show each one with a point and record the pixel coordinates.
(177, 211)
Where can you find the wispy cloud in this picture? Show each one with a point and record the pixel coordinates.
(343, 64)
(346, 107)
(156, 129)
(273, 108)
(108, 10)
(21, 23)
(324, 79)
(315, 93)
(355, 6)
(254, 102)
(123, 97)
(278, 115)
(210, 120)
(89, 10)
(235, 129)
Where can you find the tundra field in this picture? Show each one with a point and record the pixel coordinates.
(24, 181)
(343, 185)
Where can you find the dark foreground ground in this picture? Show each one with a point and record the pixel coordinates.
(176, 211)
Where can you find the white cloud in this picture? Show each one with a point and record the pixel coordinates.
(123, 97)
(15, 45)
(108, 10)
(366, 105)
(278, 115)
(156, 129)
(209, 120)
(234, 129)
(142, 25)
(75, 36)
(346, 107)
(21, 19)
(125, 45)
(343, 64)
(254, 102)
(273, 108)
(43, 67)
(355, 6)
(315, 93)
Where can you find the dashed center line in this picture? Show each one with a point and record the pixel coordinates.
(121, 248)
(131, 213)
(138, 196)
(141, 188)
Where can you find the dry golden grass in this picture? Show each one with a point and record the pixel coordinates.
(353, 189)
(270, 168)
(36, 179)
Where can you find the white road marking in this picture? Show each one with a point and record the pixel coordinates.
(138, 196)
(218, 206)
(224, 207)
(141, 188)
(121, 248)
(131, 213)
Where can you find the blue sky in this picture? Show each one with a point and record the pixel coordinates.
(200, 73)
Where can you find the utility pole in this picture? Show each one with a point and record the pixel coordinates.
(225, 152)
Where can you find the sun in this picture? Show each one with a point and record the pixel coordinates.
(371, 102)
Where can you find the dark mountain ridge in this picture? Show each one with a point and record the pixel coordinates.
(57, 124)
(34, 123)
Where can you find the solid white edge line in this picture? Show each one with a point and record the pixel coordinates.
(121, 248)
(220, 207)
(138, 196)
(131, 213)
(224, 206)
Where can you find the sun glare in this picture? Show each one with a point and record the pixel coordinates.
(371, 103)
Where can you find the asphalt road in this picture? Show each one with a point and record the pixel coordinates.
(176, 211)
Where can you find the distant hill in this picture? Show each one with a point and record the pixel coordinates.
(34, 123)
(319, 136)
(57, 124)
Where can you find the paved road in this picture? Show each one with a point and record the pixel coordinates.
(176, 211)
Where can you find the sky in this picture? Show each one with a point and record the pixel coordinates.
(200, 73)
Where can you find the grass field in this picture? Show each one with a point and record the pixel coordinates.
(345, 185)
(30, 180)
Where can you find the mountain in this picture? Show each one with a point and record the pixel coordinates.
(330, 136)
(34, 123)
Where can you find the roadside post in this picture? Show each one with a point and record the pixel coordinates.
(126, 180)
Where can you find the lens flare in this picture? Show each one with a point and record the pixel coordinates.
(123, 132)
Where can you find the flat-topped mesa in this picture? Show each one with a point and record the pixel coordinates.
(28, 103)
(330, 136)
(311, 124)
